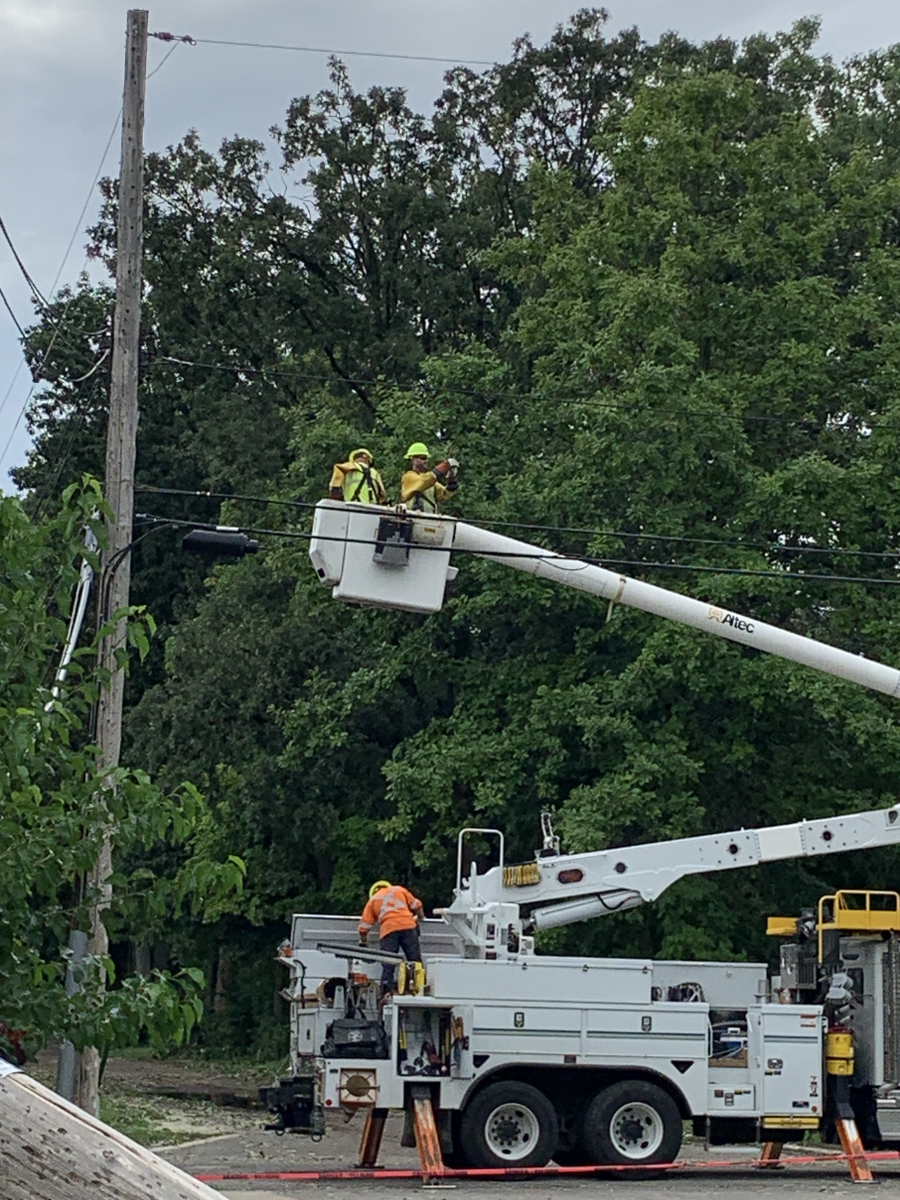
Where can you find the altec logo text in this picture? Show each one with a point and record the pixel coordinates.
(732, 619)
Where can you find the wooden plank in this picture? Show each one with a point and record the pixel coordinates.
(370, 1143)
(52, 1150)
(428, 1142)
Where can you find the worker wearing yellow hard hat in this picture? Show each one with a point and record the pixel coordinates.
(421, 488)
(356, 480)
(396, 913)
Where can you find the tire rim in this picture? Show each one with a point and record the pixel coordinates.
(511, 1131)
(636, 1131)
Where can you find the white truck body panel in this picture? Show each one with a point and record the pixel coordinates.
(577, 1014)
(539, 978)
(790, 1040)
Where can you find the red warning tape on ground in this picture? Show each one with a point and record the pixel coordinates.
(545, 1172)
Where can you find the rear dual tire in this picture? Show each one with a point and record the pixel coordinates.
(509, 1124)
(631, 1123)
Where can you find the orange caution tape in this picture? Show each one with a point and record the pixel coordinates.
(519, 1172)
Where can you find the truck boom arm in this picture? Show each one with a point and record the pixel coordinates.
(619, 589)
(564, 888)
(406, 573)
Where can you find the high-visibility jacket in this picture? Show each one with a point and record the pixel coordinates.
(422, 492)
(390, 909)
(360, 484)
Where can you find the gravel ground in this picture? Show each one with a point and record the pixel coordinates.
(175, 1096)
(257, 1151)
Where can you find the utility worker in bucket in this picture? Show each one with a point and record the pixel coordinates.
(420, 489)
(357, 481)
(396, 912)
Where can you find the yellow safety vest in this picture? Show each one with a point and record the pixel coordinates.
(357, 487)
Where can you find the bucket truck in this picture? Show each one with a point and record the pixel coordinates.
(524, 1058)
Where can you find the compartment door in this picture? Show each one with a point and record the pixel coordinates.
(462, 1019)
(792, 1064)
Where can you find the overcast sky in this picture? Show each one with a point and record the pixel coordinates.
(61, 70)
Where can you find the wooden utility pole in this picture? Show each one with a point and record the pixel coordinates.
(121, 442)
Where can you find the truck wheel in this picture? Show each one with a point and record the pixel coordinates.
(509, 1124)
(632, 1123)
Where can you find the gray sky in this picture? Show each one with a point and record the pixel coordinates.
(61, 69)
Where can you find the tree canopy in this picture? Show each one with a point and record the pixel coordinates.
(648, 295)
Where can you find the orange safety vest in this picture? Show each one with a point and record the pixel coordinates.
(390, 909)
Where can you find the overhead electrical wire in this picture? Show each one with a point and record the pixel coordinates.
(192, 41)
(164, 60)
(615, 533)
(75, 423)
(9, 309)
(36, 291)
(576, 561)
(64, 315)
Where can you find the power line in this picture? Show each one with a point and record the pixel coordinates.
(36, 291)
(65, 258)
(9, 309)
(65, 313)
(75, 233)
(84, 207)
(160, 66)
(75, 424)
(191, 41)
(794, 577)
(12, 384)
(41, 299)
(837, 551)
(589, 400)
(165, 491)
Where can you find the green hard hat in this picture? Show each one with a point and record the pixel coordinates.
(417, 449)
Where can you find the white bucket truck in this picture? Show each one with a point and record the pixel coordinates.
(524, 1059)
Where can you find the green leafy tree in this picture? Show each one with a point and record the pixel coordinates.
(55, 806)
(647, 294)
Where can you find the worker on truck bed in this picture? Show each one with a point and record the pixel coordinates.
(397, 913)
(420, 489)
(357, 480)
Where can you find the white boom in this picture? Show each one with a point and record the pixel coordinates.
(707, 617)
(575, 887)
(409, 569)
(344, 536)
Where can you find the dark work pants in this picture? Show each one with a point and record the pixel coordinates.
(406, 940)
